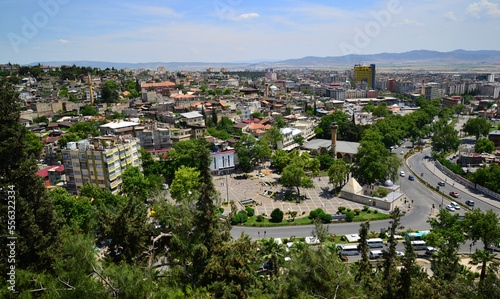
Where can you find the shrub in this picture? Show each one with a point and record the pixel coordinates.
(303, 213)
(260, 218)
(221, 210)
(250, 212)
(357, 211)
(349, 216)
(236, 219)
(348, 210)
(341, 209)
(241, 217)
(327, 217)
(318, 213)
(277, 215)
(375, 211)
(365, 208)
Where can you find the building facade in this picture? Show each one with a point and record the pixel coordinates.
(99, 161)
(365, 74)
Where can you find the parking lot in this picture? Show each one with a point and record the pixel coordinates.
(256, 186)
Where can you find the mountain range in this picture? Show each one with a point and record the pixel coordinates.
(411, 58)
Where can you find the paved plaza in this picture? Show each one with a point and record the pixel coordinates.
(254, 187)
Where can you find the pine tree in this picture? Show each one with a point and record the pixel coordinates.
(36, 222)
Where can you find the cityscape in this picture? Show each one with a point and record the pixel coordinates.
(260, 159)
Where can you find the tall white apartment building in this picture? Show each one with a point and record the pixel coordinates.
(99, 161)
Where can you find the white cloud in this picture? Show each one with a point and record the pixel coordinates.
(450, 16)
(477, 8)
(408, 22)
(63, 41)
(246, 16)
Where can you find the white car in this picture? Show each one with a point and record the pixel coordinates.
(450, 208)
(400, 253)
(402, 173)
(455, 205)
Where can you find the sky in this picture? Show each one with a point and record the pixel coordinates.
(239, 30)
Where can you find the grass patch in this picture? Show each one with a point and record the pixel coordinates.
(363, 216)
(252, 221)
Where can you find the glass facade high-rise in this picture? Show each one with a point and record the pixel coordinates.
(363, 73)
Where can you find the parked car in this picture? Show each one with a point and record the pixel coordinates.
(400, 253)
(411, 178)
(470, 203)
(441, 183)
(454, 194)
(402, 173)
(450, 208)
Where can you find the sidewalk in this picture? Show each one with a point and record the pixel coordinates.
(463, 189)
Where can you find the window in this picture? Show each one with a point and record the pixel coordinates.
(98, 165)
(98, 157)
(77, 172)
(78, 180)
(100, 182)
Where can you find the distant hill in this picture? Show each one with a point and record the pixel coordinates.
(417, 57)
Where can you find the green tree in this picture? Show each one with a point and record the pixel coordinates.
(38, 234)
(374, 161)
(390, 272)
(272, 253)
(447, 235)
(41, 119)
(109, 91)
(76, 212)
(280, 158)
(230, 269)
(294, 174)
(484, 227)
(279, 122)
(381, 110)
(127, 230)
(484, 145)
(246, 149)
(364, 267)
(277, 215)
(88, 110)
(33, 142)
(325, 161)
(478, 126)
(185, 184)
(135, 184)
(445, 140)
(410, 272)
(338, 173)
(257, 114)
(214, 117)
(326, 275)
(274, 135)
(300, 140)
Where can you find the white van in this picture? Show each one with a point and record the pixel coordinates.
(349, 249)
(375, 243)
(375, 254)
(419, 245)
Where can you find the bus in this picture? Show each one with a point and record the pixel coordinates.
(419, 245)
(416, 236)
(375, 243)
(349, 249)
